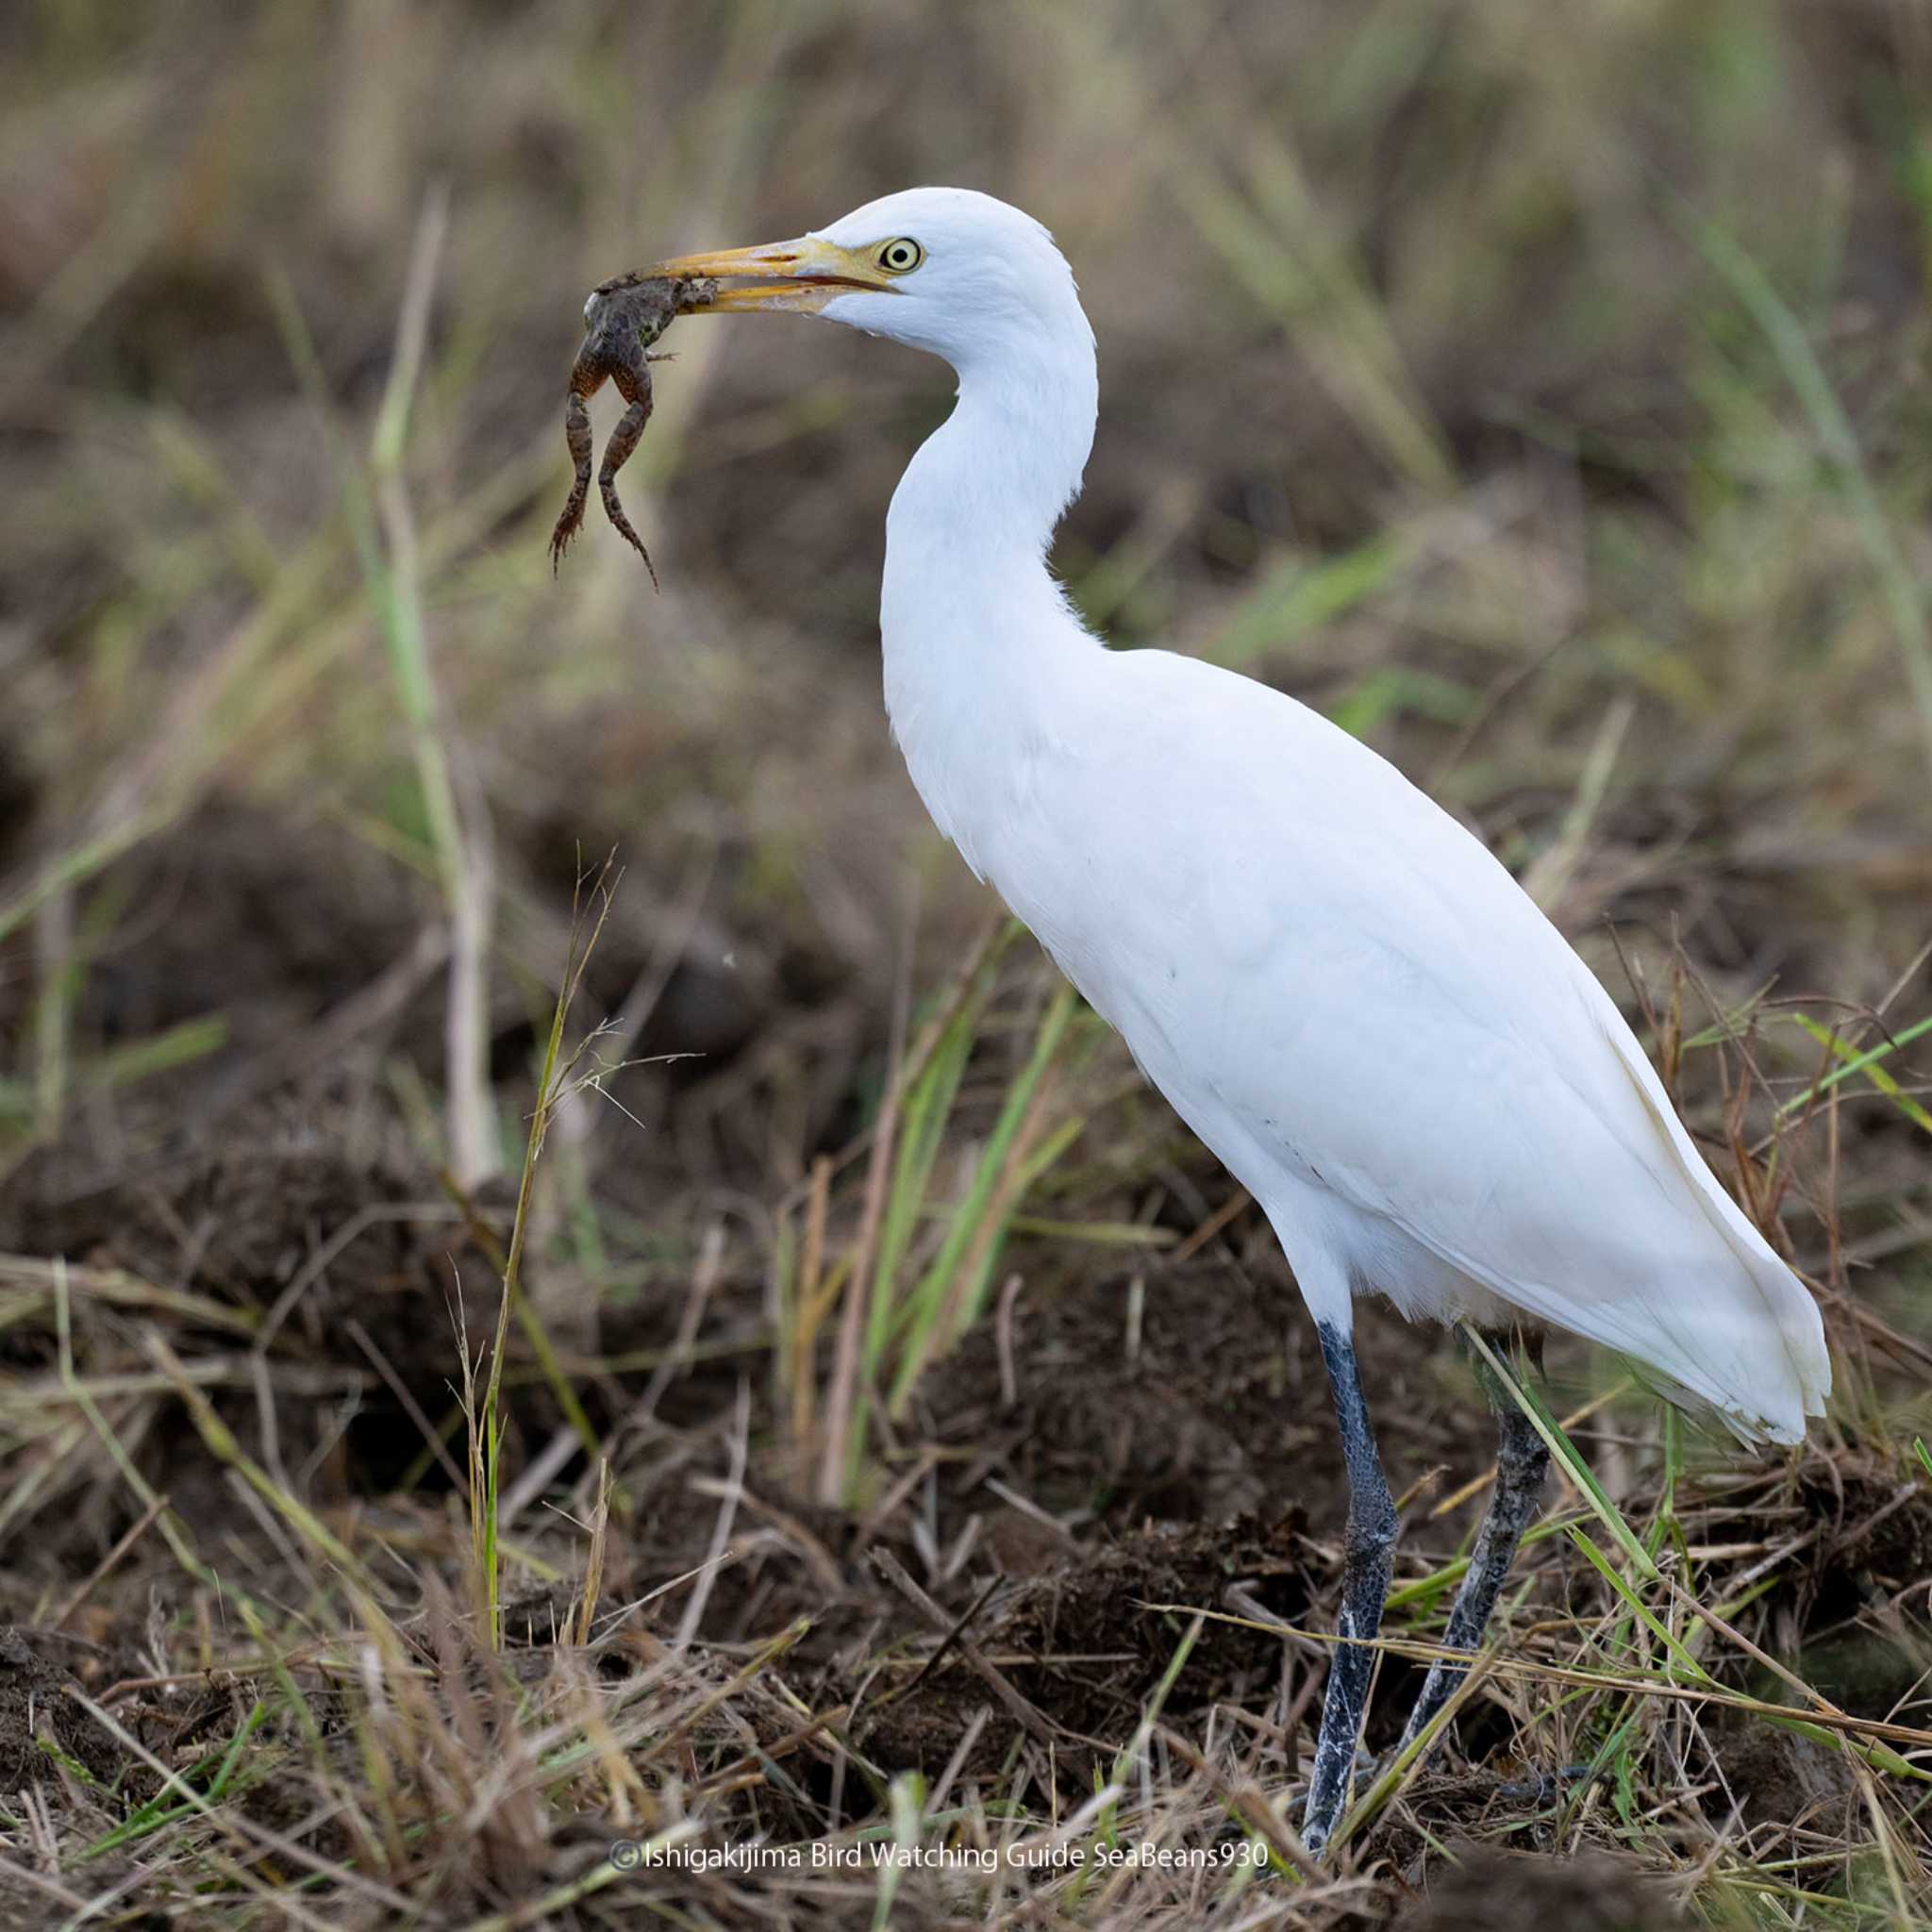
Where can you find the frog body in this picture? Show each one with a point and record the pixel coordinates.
(621, 320)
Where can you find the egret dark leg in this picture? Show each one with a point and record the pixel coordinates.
(1371, 1545)
(1522, 1462)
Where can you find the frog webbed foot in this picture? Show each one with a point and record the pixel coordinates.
(577, 433)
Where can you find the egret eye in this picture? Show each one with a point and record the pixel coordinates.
(900, 256)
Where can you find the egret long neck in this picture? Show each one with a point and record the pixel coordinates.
(971, 619)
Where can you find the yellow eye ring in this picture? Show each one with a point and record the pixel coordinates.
(899, 256)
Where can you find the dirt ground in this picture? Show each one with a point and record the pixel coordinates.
(1125, 1448)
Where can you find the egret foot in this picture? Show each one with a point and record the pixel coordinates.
(1544, 1786)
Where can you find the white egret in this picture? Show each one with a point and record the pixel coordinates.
(1338, 988)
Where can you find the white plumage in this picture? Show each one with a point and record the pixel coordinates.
(1366, 1019)
(1338, 988)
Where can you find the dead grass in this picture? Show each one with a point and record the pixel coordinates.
(900, 1437)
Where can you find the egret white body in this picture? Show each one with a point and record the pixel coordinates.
(1338, 988)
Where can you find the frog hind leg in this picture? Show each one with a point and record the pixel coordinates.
(617, 452)
(577, 433)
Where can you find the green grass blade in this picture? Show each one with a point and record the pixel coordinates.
(920, 1318)
(1638, 1609)
(1865, 1063)
(1566, 1454)
(1904, 597)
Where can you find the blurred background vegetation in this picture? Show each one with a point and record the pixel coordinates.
(1541, 395)
(1539, 391)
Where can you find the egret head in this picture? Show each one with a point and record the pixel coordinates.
(945, 269)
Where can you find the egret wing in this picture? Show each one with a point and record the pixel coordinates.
(1309, 953)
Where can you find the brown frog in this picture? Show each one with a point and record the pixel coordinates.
(623, 318)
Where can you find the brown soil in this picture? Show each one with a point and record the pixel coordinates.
(1084, 1642)
(41, 1724)
(1121, 1482)
(1487, 1891)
